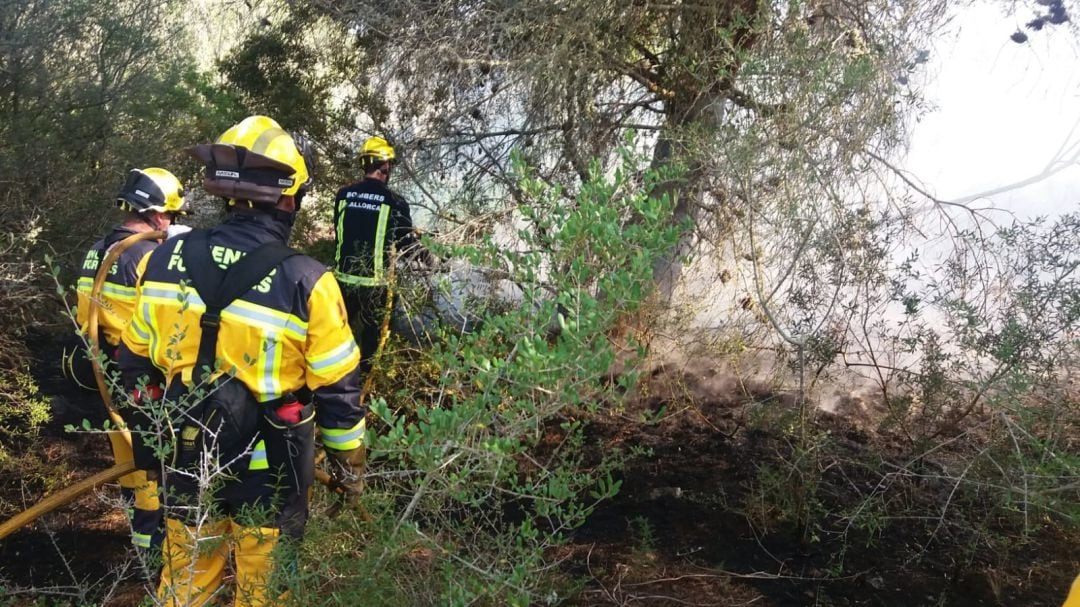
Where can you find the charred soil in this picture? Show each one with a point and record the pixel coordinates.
(81, 552)
(725, 511)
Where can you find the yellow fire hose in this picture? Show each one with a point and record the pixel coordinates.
(120, 439)
(64, 496)
(384, 328)
(384, 334)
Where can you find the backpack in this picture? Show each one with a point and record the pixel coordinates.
(221, 417)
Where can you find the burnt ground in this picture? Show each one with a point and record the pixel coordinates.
(81, 552)
(690, 527)
(709, 516)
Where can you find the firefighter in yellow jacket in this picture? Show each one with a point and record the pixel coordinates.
(151, 199)
(284, 340)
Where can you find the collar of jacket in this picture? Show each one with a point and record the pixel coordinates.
(117, 234)
(260, 227)
(392, 197)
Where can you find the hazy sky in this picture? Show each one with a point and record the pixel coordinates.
(1003, 112)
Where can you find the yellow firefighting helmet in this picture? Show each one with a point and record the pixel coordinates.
(152, 189)
(375, 151)
(254, 160)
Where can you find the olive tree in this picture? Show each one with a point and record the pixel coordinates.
(771, 105)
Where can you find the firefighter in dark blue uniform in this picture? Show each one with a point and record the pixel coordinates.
(372, 226)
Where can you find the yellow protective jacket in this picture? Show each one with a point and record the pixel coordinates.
(116, 299)
(288, 333)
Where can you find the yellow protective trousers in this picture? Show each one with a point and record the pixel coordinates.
(195, 559)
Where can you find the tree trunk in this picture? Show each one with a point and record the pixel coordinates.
(704, 116)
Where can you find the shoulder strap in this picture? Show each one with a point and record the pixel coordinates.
(218, 288)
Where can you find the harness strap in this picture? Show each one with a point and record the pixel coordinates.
(218, 288)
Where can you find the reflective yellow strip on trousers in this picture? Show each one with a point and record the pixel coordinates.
(140, 540)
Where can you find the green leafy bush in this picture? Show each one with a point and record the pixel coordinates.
(474, 481)
(989, 412)
(22, 413)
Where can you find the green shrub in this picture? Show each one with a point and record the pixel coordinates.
(22, 413)
(476, 478)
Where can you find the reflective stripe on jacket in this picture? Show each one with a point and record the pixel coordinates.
(287, 333)
(116, 299)
(369, 218)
